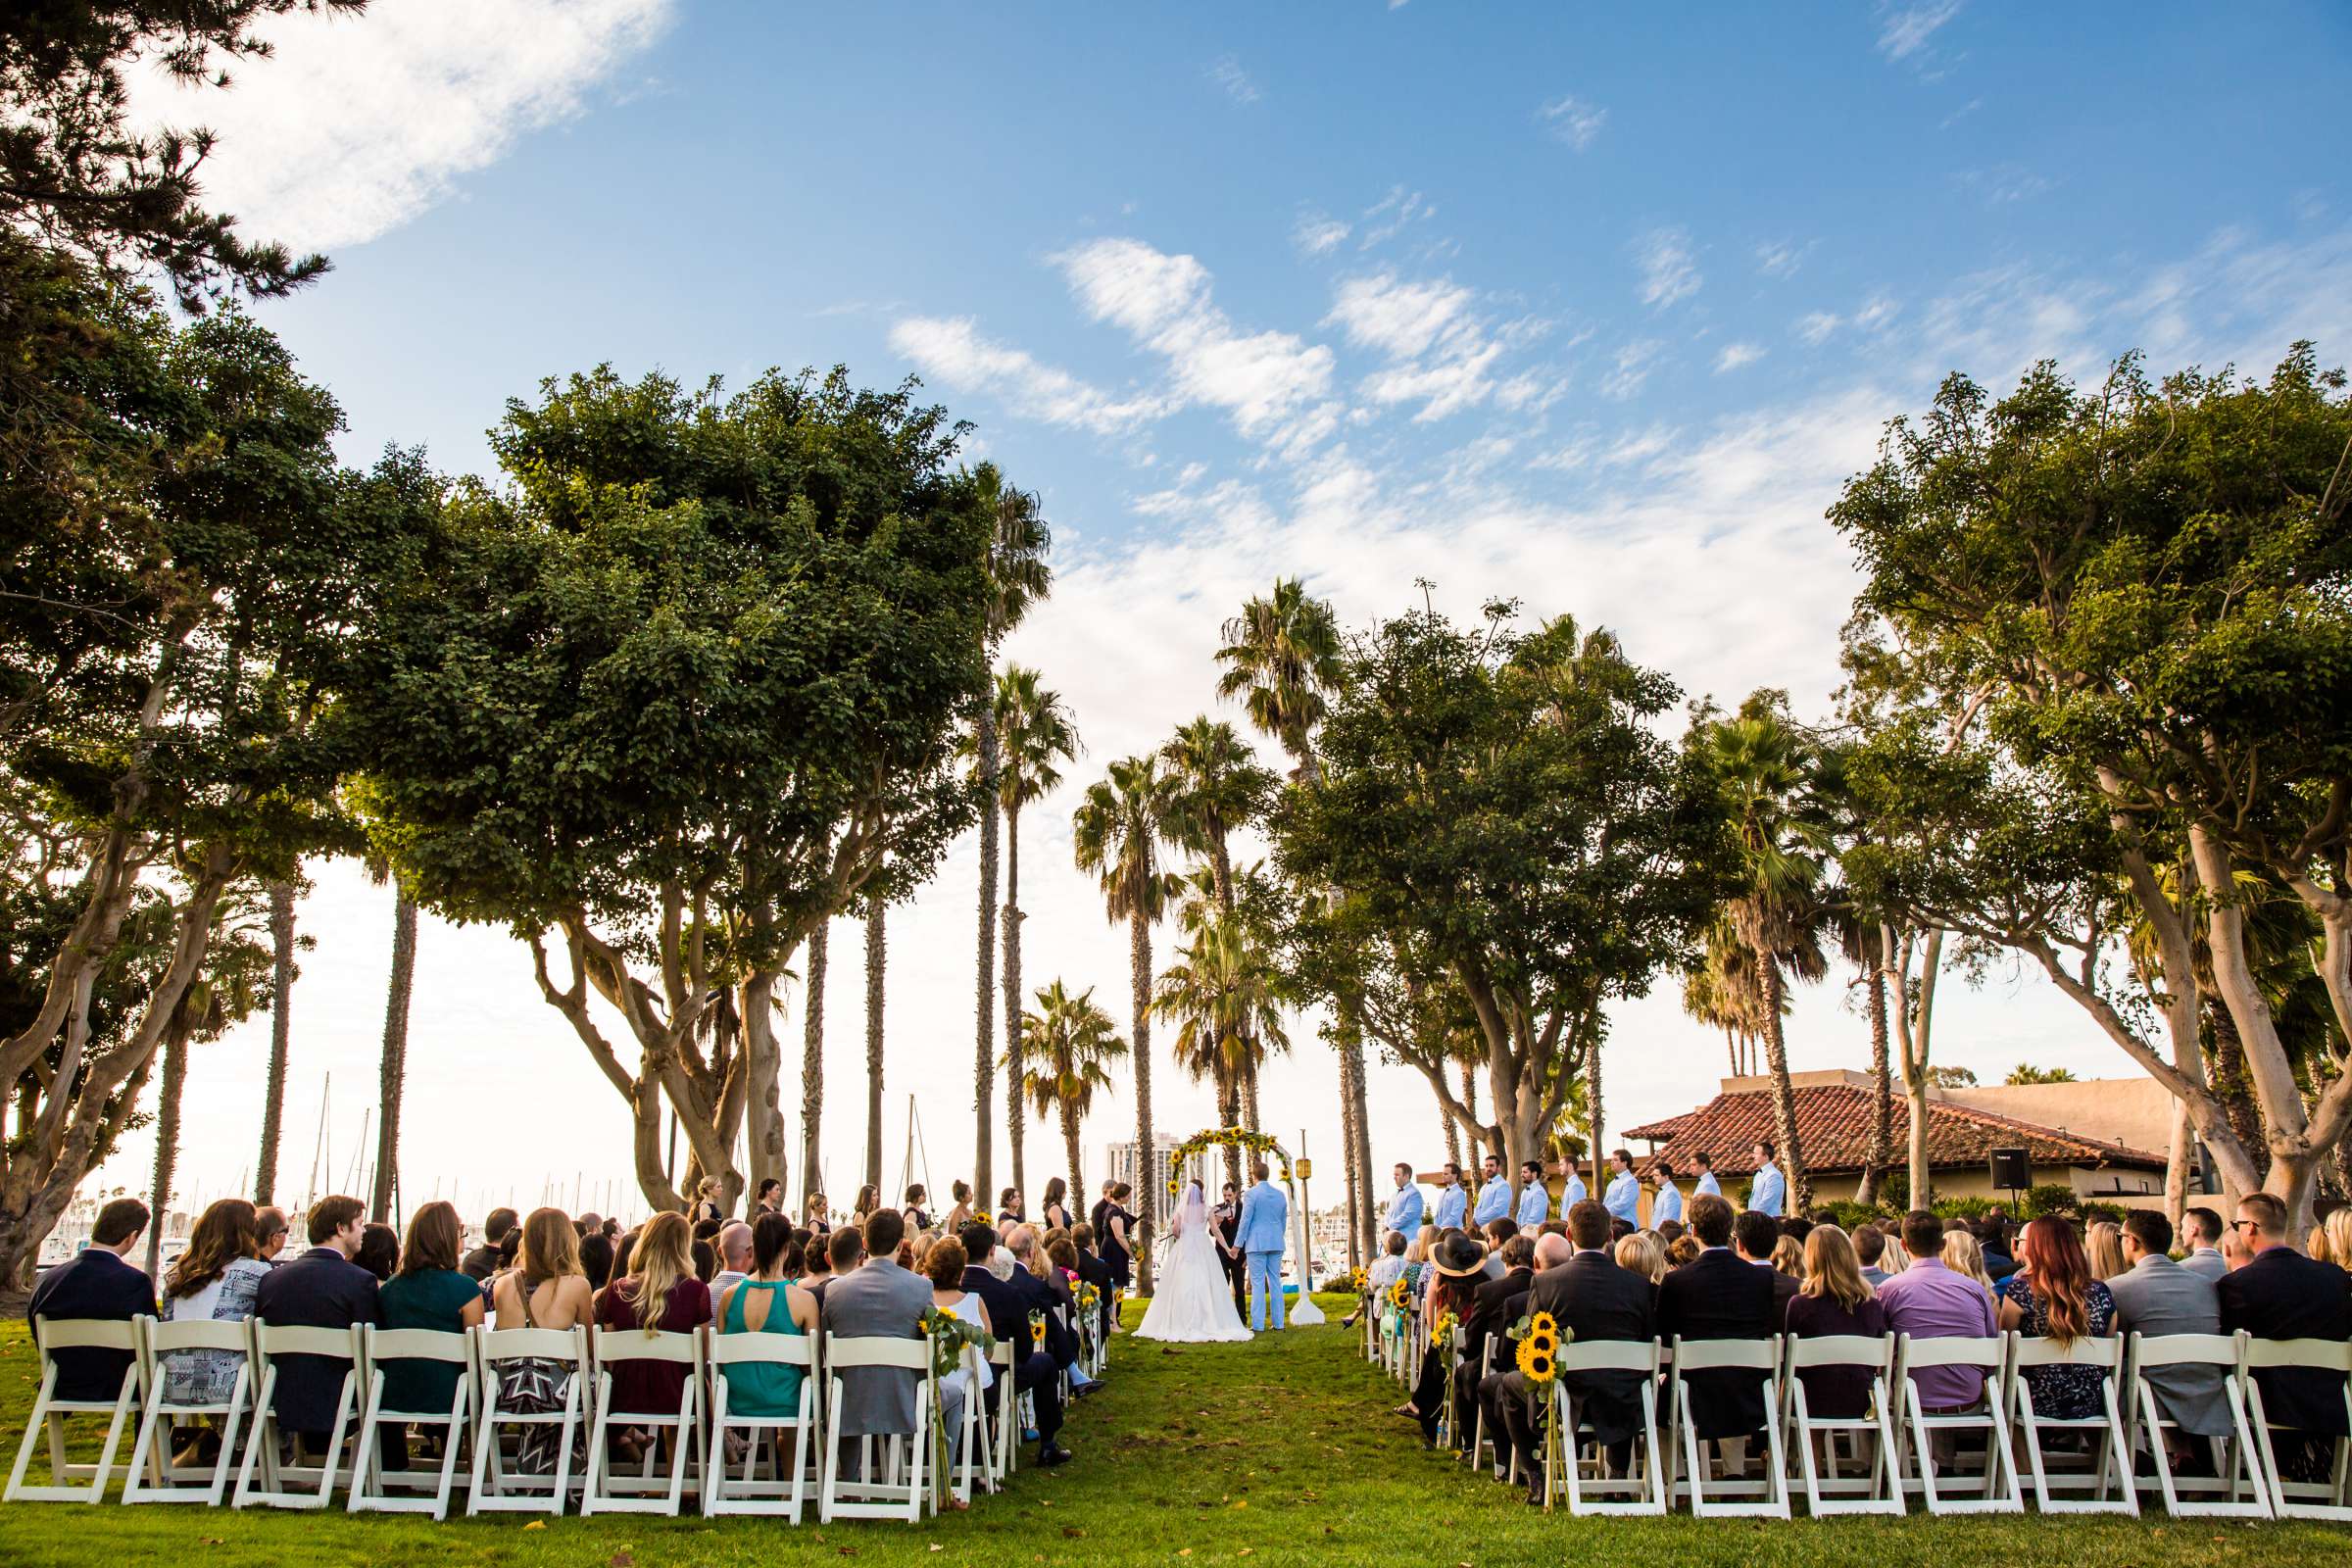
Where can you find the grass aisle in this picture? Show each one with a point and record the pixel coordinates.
(1276, 1452)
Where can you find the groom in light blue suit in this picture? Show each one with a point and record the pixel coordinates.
(1265, 1216)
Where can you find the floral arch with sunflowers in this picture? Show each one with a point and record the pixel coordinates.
(1261, 1146)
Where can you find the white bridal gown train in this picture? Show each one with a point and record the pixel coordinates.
(1193, 1304)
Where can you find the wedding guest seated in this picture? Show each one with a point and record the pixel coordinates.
(1495, 1306)
(322, 1288)
(1458, 1267)
(1670, 1231)
(768, 1301)
(843, 1249)
(269, 1231)
(2103, 1245)
(660, 1294)
(1591, 1299)
(1682, 1251)
(215, 1278)
(1756, 1236)
(2054, 1295)
(1834, 1301)
(429, 1291)
(945, 1266)
(487, 1258)
(2201, 1231)
(875, 1298)
(1869, 1245)
(596, 1254)
(1035, 1371)
(2278, 1293)
(1045, 1291)
(734, 1245)
(1640, 1253)
(1927, 1301)
(545, 1289)
(379, 1250)
(1962, 1255)
(1721, 1296)
(2157, 1297)
(1992, 1241)
(96, 1283)
(1788, 1253)
(1390, 1267)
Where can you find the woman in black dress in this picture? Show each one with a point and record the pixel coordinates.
(917, 1220)
(1055, 1212)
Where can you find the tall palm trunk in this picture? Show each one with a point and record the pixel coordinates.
(1146, 1196)
(1016, 1112)
(1351, 1084)
(1593, 1121)
(1784, 1094)
(1453, 1135)
(1882, 1092)
(984, 1068)
(1229, 1113)
(1355, 1237)
(166, 1137)
(281, 995)
(1069, 1149)
(876, 939)
(813, 1059)
(392, 1073)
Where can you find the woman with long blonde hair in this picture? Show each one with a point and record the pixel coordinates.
(2103, 1244)
(1789, 1256)
(1962, 1255)
(1834, 1300)
(660, 1294)
(1640, 1253)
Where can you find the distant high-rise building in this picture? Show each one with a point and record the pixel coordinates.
(1123, 1167)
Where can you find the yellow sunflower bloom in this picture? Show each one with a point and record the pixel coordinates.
(1544, 1323)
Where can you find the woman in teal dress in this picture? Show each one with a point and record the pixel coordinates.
(428, 1292)
(770, 1302)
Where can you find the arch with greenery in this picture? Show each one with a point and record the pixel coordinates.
(1261, 1146)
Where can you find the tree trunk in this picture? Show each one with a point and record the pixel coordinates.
(876, 951)
(1229, 1111)
(1016, 1112)
(167, 1139)
(1882, 1087)
(1069, 1149)
(392, 1072)
(281, 996)
(1914, 1022)
(984, 1069)
(2226, 1074)
(1351, 1054)
(1592, 1088)
(812, 1062)
(1146, 1196)
(1784, 1094)
(1251, 1117)
(1453, 1135)
(2179, 1164)
(770, 1152)
(1355, 1237)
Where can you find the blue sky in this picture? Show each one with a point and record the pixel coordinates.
(1594, 307)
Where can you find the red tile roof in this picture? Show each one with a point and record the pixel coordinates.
(1833, 1126)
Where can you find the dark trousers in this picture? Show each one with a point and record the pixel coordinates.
(1522, 1413)
(1039, 1376)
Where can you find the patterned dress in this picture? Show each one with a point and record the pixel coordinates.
(206, 1377)
(2062, 1392)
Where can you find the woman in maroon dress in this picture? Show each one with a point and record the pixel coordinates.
(660, 1294)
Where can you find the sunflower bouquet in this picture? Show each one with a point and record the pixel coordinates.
(950, 1337)
(1352, 1283)
(1539, 1337)
(1037, 1330)
(1401, 1296)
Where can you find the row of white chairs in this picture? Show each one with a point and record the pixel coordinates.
(1875, 1462)
(893, 1477)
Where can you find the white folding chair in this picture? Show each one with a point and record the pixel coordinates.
(1878, 1493)
(283, 1484)
(972, 1446)
(1648, 1484)
(2330, 1499)
(2237, 1470)
(1480, 1441)
(1006, 1450)
(2114, 1449)
(1990, 1356)
(618, 1492)
(153, 1477)
(49, 1412)
(373, 1487)
(1767, 1497)
(903, 1487)
(749, 1493)
(492, 1488)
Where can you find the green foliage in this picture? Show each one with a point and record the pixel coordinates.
(2112, 1214)
(1965, 1208)
(1846, 1214)
(2047, 1198)
(1951, 1077)
(2025, 1072)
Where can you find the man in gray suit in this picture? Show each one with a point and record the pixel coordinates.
(878, 1299)
(2201, 1228)
(2156, 1295)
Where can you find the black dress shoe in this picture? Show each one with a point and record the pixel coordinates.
(1087, 1391)
(1048, 1458)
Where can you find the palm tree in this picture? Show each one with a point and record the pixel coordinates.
(1221, 995)
(1761, 763)
(393, 1070)
(1017, 576)
(274, 1093)
(875, 936)
(1219, 787)
(1116, 833)
(812, 1056)
(1067, 1044)
(1034, 734)
(1282, 658)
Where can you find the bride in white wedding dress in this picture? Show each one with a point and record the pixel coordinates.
(1195, 1302)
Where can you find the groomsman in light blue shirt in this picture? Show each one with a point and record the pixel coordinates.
(1668, 1204)
(1624, 1198)
(1768, 1193)
(1534, 1198)
(1404, 1210)
(1706, 1185)
(1494, 1195)
(1453, 1199)
(1572, 1191)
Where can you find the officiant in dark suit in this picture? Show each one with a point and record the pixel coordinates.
(1227, 1216)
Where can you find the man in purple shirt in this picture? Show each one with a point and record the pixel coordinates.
(1929, 1301)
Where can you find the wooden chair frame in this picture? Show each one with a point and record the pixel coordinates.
(723, 1493)
(152, 1475)
(278, 1487)
(2237, 1460)
(373, 1486)
(49, 1412)
(1882, 1492)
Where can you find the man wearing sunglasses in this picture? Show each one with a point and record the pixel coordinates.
(2281, 1294)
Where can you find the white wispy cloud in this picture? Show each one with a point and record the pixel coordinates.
(1669, 273)
(2004, 184)
(1399, 318)
(1736, 355)
(1904, 30)
(1318, 233)
(950, 352)
(1392, 215)
(1780, 259)
(1630, 367)
(1572, 120)
(1228, 75)
(1163, 301)
(1871, 316)
(356, 125)
(1815, 326)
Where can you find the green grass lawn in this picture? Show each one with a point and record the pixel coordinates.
(1279, 1451)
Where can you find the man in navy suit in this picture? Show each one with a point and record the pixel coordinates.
(1036, 1371)
(97, 1284)
(322, 1288)
(2281, 1294)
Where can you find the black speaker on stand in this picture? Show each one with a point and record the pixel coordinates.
(2011, 1170)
